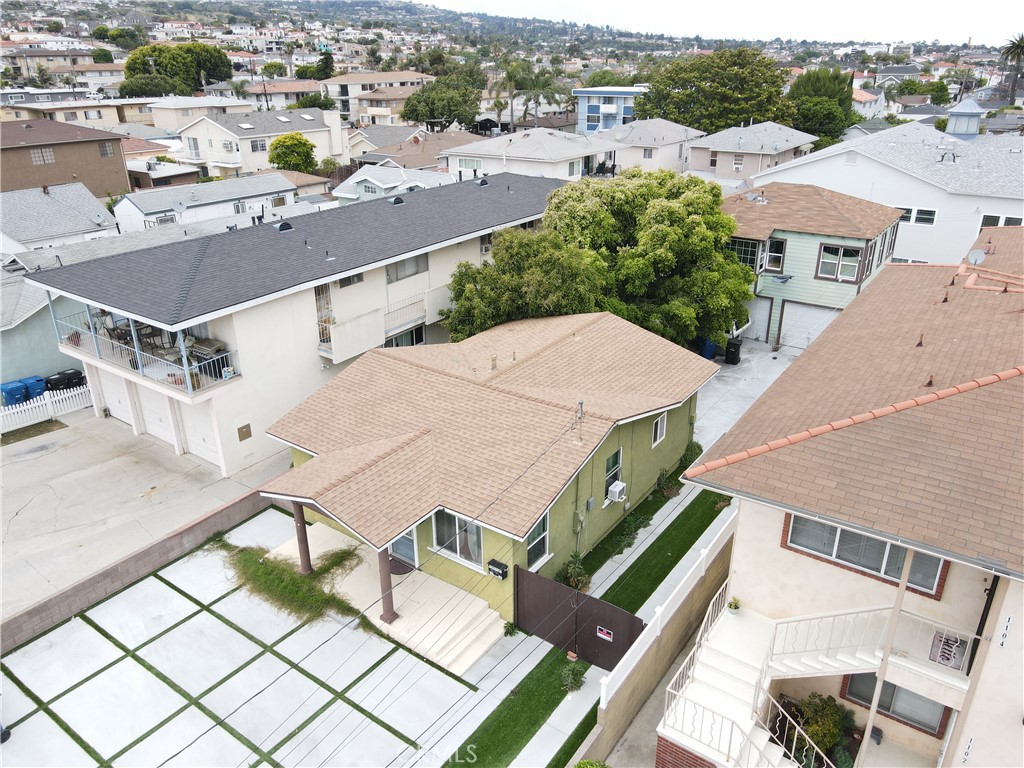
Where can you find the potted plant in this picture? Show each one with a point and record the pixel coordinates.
(733, 605)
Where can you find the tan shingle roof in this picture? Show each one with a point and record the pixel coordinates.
(944, 472)
(806, 208)
(401, 431)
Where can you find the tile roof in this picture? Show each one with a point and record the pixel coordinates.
(30, 133)
(763, 138)
(179, 281)
(542, 144)
(653, 132)
(65, 209)
(400, 432)
(806, 208)
(424, 150)
(917, 443)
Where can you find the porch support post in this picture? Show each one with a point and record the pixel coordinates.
(387, 599)
(305, 566)
(890, 633)
(92, 329)
(184, 362)
(137, 347)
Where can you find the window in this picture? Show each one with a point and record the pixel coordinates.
(485, 242)
(350, 280)
(864, 553)
(240, 207)
(989, 221)
(166, 219)
(16, 97)
(994, 221)
(745, 250)
(681, 148)
(575, 167)
(93, 114)
(258, 145)
(906, 213)
(648, 153)
(227, 146)
(612, 470)
(106, 149)
(70, 117)
(469, 163)
(924, 216)
(42, 155)
(837, 262)
(594, 120)
(776, 254)
(406, 268)
(186, 113)
(713, 163)
(458, 536)
(411, 338)
(369, 189)
(658, 433)
(43, 97)
(607, 99)
(145, 110)
(737, 163)
(897, 702)
(277, 202)
(537, 542)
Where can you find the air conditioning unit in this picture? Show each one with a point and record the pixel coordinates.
(617, 491)
(485, 248)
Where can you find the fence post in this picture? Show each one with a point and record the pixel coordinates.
(51, 412)
(604, 692)
(703, 561)
(657, 620)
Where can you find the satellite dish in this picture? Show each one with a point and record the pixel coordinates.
(178, 205)
(976, 256)
(97, 218)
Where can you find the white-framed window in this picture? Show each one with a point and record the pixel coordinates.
(681, 148)
(43, 97)
(776, 254)
(537, 542)
(345, 282)
(144, 110)
(658, 432)
(924, 216)
(240, 206)
(70, 117)
(42, 155)
(897, 702)
(486, 241)
(612, 470)
(410, 338)
(407, 267)
(458, 536)
(469, 163)
(746, 251)
(864, 553)
(167, 218)
(258, 145)
(93, 114)
(593, 119)
(838, 262)
(907, 213)
(369, 189)
(648, 153)
(16, 97)
(575, 167)
(186, 113)
(227, 145)
(277, 202)
(737, 163)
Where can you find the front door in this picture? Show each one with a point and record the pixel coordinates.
(404, 547)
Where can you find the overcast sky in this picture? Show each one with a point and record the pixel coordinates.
(793, 19)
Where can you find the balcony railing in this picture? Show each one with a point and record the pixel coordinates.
(163, 365)
(405, 313)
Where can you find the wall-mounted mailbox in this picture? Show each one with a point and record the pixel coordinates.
(497, 569)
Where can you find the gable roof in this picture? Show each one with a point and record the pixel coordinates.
(543, 144)
(766, 138)
(386, 135)
(30, 133)
(861, 437)
(18, 300)
(423, 150)
(272, 123)
(653, 132)
(390, 178)
(175, 284)
(64, 209)
(806, 208)
(163, 199)
(989, 166)
(496, 445)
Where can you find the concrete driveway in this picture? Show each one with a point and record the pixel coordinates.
(79, 499)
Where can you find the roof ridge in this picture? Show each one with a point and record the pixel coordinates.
(834, 426)
(190, 277)
(540, 350)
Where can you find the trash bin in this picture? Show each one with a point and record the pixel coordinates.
(14, 392)
(732, 351)
(73, 377)
(707, 348)
(36, 385)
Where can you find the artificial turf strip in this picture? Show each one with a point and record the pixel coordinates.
(633, 588)
(509, 728)
(576, 738)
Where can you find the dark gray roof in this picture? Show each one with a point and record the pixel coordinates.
(386, 135)
(900, 69)
(178, 282)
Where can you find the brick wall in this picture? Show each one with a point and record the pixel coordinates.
(671, 755)
(48, 613)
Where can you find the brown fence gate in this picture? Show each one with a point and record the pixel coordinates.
(596, 631)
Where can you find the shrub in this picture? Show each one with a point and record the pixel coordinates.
(592, 764)
(668, 483)
(691, 454)
(822, 720)
(511, 629)
(572, 676)
(573, 573)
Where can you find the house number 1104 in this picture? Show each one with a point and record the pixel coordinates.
(1006, 632)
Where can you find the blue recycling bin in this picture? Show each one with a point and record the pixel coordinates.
(14, 392)
(36, 385)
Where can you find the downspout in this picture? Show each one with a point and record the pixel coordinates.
(990, 594)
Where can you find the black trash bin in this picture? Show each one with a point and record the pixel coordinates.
(732, 351)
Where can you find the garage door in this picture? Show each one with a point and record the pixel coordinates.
(802, 323)
(760, 311)
(155, 414)
(200, 436)
(115, 397)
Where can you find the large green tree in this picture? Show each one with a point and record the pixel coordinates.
(314, 100)
(539, 87)
(822, 117)
(442, 102)
(824, 83)
(324, 67)
(102, 56)
(128, 38)
(721, 90)
(142, 86)
(193, 64)
(293, 152)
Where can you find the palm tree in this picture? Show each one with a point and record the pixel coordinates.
(1013, 54)
(500, 105)
(240, 88)
(539, 87)
(517, 73)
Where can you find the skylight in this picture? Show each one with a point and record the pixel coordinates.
(283, 119)
(307, 117)
(246, 125)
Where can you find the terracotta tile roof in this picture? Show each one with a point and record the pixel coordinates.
(132, 145)
(872, 444)
(402, 431)
(806, 208)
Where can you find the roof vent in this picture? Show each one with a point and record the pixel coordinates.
(397, 201)
(282, 226)
(481, 182)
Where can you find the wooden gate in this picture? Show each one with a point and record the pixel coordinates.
(596, 631)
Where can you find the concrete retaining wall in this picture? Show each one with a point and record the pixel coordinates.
(48, 613)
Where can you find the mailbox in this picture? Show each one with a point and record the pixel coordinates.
(497, 569)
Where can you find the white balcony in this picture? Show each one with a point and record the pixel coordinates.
(609, 109)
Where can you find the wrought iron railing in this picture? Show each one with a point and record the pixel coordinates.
(831, 632)
(923, 639)
(787, 733)
(684, 674)
(404, 313)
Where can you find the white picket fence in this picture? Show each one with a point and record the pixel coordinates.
(48, 405)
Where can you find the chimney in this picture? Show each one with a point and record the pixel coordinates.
(46, 189)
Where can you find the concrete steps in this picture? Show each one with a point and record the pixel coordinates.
(814, 664)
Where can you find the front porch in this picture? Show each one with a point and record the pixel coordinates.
(437, 620)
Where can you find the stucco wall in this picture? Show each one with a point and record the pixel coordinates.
(30, 347)
(74, 161)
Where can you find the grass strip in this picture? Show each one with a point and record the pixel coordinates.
(633, 588)
(624, 534)
(576, 738)
(508, 729)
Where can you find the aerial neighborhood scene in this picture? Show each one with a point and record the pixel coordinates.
(558, 385)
